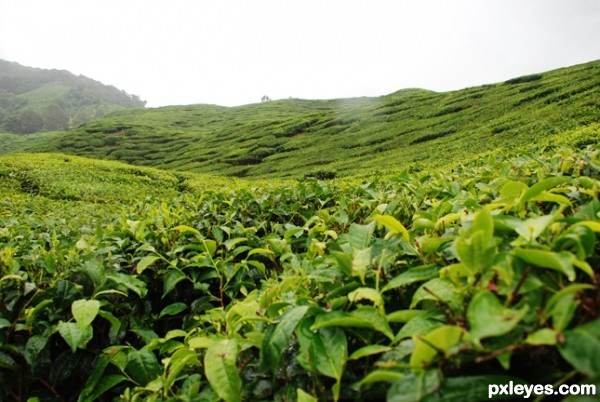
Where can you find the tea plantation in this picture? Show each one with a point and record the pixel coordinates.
(419, 246)
(292, 137)
(131, 283)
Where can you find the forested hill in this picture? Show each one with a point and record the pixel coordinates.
(35, 99)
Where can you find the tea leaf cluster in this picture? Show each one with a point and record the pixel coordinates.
(413, 286)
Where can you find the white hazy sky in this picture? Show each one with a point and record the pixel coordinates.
(232, 52)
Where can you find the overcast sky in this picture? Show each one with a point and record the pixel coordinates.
(232, 52)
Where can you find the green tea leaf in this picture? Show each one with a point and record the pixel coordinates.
(379, 376)
(99, 366)
(511, 192)
(142, 366)
(173, 309)
(581, 348)
(84, 312)
(367, 294)
(231, 243)
(393, 225)
(129, 282)
(543, 185)
(170, 279)
(483, 222)
(436, 289)
(146, 334)
(421, 324)
(220, 368)
(146, 247)
(34, 346)
(475, 252)
(562, 305)
(179, 360)
(414, 387)
(210, 246)
(145, 262)
(7, 362)
(361, 262)
(33, 313)
(447, 220)
(560, 261)
(304, 396)
(73, 334)
(432, 243)
(104, 384)
(578, 239)
(548, 196)
(295, 231)
(439, 340)
(375, 317)
(260, 251)
(417, 274)
(589, 211)
(404, 315)
(544, 336)
(97, 383)
(344, 261)
(488, 317)
(594, 226)
(327, 351)
(362, 317)
(187, 229)
(368, 350)
(339, 319)
(200, 342)
(476, 247)
(532, 228)
(359, 236)
(277, 341)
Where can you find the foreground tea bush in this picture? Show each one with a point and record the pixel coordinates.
(422, 286)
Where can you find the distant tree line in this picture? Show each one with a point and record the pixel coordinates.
(33, 99)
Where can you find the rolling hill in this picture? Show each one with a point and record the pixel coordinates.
(473, 266)
(35, 99)
(292, 137)
(123, 282)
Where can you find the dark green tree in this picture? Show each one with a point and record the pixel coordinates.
(55, 118)
(29, 122)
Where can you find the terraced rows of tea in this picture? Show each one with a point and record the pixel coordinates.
(130, 283)
(290, 138)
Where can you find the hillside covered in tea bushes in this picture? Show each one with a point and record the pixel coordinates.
(292, 137)
(122, 282)
(453, 246)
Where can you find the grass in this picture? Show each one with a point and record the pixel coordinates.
(288, 138)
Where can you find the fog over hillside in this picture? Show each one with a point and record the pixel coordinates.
(35, 99)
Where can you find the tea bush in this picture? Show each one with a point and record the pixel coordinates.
(422, 285)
